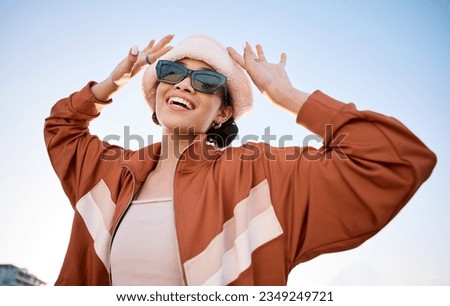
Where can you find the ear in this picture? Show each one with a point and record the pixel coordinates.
(224, 113)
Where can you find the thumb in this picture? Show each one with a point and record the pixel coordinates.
(127, 63)
(131, 59)
(236, 57)
(125, 67)
(134, 50)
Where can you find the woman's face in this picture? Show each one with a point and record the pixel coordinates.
(201, 110)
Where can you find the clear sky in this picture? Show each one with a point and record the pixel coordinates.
(387, 56)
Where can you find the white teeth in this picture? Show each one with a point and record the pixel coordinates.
(182, 102)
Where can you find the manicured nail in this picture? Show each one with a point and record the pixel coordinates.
(134, 50)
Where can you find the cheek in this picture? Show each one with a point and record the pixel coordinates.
(159, 95)
(211, 110)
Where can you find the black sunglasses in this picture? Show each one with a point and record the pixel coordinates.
(206, 81)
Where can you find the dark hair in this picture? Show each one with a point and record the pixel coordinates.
(223, 136)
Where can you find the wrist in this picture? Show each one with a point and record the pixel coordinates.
(291, 99)
(104, 90)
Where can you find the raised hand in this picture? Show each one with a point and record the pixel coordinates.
(129, 67)
(270, 78)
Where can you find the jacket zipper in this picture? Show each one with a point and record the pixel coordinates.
(120, 220)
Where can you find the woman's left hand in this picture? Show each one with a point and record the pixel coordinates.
(270, 78)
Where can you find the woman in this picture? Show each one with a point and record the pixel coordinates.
(193, 211)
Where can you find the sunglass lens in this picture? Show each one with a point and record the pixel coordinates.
(171, 73)
(206, 82)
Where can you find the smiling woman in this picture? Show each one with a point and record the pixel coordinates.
(205, 80)
(192, 210)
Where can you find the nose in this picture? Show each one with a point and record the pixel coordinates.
(185, 85)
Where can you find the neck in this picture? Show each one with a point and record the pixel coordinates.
(173, 144)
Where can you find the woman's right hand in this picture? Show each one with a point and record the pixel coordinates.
(129, 67)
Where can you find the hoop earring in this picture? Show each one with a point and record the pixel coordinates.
(217, 125)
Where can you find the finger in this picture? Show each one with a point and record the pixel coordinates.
(283, 59)
(131, 58)
(134, 50)
(236, 57)
(260, 52)
(126, 65)
(150, 45)
(164, 41)
(154, 56)
(151, 58)
(249, 55)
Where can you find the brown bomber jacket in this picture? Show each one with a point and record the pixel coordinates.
(245, 215)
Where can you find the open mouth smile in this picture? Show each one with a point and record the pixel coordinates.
(180, 102)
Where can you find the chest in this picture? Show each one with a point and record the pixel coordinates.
(158, 184)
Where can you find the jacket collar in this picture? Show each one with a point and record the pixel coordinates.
(198, 153)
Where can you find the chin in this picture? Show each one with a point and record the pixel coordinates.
(175, 124)
(182, 129)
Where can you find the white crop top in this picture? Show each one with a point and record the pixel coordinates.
(144, 250)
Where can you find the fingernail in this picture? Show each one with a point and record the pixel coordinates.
(244, 45)
(134, 50)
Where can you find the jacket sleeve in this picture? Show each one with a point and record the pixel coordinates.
(340, 195)
(78, 157)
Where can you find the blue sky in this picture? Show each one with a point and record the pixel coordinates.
(387, 56)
